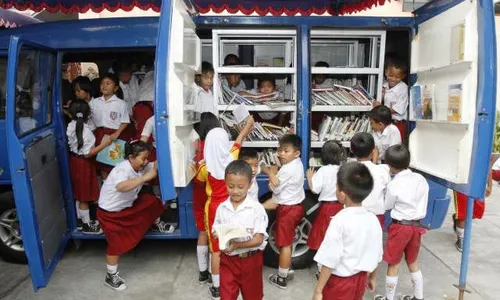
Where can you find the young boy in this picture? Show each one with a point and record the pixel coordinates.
(320, 81)
(395, 94)
(233, 81)
(287, 186)
(206, 101)
(241, 264)
(352, 247)
(407, 196)
(251, 157)
(384, 132)
(363, 147)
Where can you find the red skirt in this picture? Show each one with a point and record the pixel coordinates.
(199, 200)
(83, 178)
(326, 211)
(345, 288)
(402, 126)
(125, 229)
(100, 132)
(141, 112)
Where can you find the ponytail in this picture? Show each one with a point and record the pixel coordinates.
(79, 111)
(79, 129)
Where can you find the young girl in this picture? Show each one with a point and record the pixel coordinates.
(109, 114)
(81, 143)
(218, 154)
(323, 182)
(206, 101)
(82, 88)
(124, 214)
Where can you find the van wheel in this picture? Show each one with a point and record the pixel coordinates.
(11, 243)
(302, 256)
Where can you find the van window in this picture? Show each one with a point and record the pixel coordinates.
(3, 85)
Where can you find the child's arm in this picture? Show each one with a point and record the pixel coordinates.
(245, 93)
(375, 155)
(106, 141)
(119, 131)
(324, 275)
(256, 241)
(245, 131)
(130, 184)
(271, 172)
(390, 199)
(310, 174)
(372, 280)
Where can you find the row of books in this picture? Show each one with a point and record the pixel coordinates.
(262, 131)
(340, 129)
(269, 157)
(341, 95)
(273, 100)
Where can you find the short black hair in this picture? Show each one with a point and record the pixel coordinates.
(266, 78)
(122, 67)
(231, 60)
(354, 179)
(332, 153)
(362, 144)
(83, 84)
(398, 157)
(208, 121)
(397, 63)
(239, 167)
(292, 140)
(135, 147)
(248, 154)
(381, 114)
(207, 67)
(322, 64)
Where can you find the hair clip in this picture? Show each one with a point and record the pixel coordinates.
(79, 115)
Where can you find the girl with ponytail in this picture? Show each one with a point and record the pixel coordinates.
(81, 142)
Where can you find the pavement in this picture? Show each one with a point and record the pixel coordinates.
(167, 270)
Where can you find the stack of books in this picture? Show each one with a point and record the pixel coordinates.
(262, 131)
(342, 95)
(340, 129)
(273, 100)
(269, 157)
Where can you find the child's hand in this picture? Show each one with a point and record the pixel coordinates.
(372, 283)
(317, 296)
(250, 122)
(232, 246)
(106, 141)
(114, 136)
(310, 172)
(273, 169)
(376, 103)
(273, 180)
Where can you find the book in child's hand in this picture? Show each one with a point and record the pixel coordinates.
(113, 154)
(241, 113)
(229, 232)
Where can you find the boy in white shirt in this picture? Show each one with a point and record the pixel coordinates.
(384, 132)
(395, 94)
(320, 81)
(251, 157)
(352, 247)
(407, 196)
(287, 186)
(363, 147)
(241, 264)
(206, 101)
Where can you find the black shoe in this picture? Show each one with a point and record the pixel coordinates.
(162, 227)
(278, 281)
(209, 281)
(214, 292)
(453, 217)
(459, 244)
(379, 297)
(203, 277)
(115, 282)
(408, 297)
(79, 224)
(91, 228)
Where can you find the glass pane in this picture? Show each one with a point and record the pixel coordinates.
(3, 84)
(34, 88)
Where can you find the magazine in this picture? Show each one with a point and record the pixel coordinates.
(229, 232)
(454, 103)
(428, 102)
(113, 154)
(416, 102)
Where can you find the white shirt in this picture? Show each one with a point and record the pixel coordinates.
(110, 198)
(240, 87)
(109, 113)
(290, 190)
(496, 165)
(352, 243)
(385, 139)
(130, 92)
(249, 214)
(87, 135)
(253, 192)
(407, 196)
(381, 177)
(149, 129)
(324, 183)
(397, 99)
(206, 102)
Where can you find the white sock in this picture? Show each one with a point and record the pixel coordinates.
(460, 232)
(390, 287)
(202, 253)
(112, 269)
(418, 284)
(77, 204)
(84, 215)
(216, 280)
(283, 272)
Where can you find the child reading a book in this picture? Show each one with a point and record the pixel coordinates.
(251, 157)
(241, 262)
(352, 247)
(206, 101)
(384, 132)
(395, 94)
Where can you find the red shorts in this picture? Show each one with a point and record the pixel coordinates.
(495, 174)
(241, 274)
(83, 178)
(125, 229)
(402, 126)
(381, 219)
(461, 207)
(209, 216)
(199, 200)
(288, 218)
(402, 239)
(141, 112)
(325, 213)
(345, 288)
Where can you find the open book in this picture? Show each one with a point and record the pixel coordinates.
(229, 232)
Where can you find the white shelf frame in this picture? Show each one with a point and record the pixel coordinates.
(289, 108)
(341, 108)
(316, 144)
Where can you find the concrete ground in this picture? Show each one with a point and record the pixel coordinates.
(168, 270)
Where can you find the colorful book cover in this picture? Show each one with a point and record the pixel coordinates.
(113, 154)
(416, 102)
(428, 102)
(454, 102)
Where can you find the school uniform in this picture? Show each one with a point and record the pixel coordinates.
(289, 195)
(149, 131)
(240, 87)
(130, 92)
(406, 196)
(324, 183)
(218, 153)
(82, 170)
(143, 109)
(352, 248)
(397, 98)
(126, 217)
(253, 191)
(390, 136)
(241, 270)
(375, 201)
(199, 188)
(206, 102)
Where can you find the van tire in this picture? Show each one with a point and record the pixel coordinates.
(14, 253)
(304, 258)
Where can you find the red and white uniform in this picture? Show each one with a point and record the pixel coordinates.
(385, 139)
(407, 197)
(206, 102)
(243, 273)
(289, 195)
(375, 201)
(199, 188)
(143, 109)
(324, 183)
(397, 99)
(82, 169)
(352, 248)
(149, 131)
